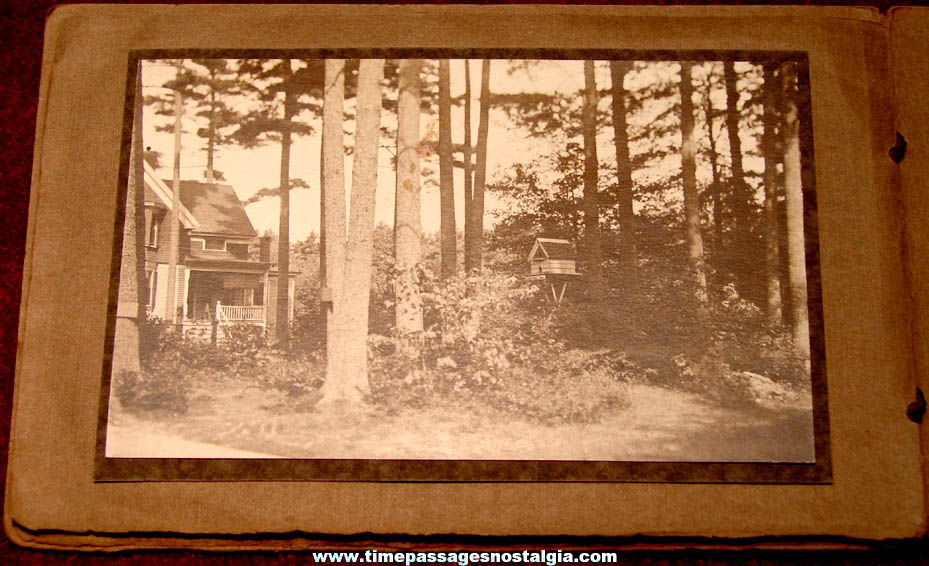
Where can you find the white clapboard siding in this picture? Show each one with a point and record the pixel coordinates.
(161, 290)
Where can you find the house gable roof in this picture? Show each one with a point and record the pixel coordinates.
(205, 207)
(552, 248)
(158, 192)
(216, 208)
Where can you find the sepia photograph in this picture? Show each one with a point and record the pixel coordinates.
(491, 258)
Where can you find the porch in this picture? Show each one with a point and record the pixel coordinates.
(208, 292)
(227, 297)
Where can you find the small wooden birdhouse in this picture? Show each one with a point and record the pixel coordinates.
(552, 257)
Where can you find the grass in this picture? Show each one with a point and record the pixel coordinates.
(658, 423)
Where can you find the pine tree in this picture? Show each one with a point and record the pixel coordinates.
(210, 94)
(468, 172)
(741, 194)
(349, 268)
(332, 221)
(480, 171)
(693, 234)
(273, 119)
(591, 247)
(407, 230)
(793, 188)
(627, 225)
(175, 224)
(449, 244)
(772, 244)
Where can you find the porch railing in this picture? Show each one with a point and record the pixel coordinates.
(234, 313)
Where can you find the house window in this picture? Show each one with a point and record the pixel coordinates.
(152, 279)
(214, 243)
(152, 239)
(153, 219)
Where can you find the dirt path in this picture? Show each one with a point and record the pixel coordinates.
(132, 438)
(659, 424)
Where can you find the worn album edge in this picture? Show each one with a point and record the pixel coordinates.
(46, 538)
(908, 41)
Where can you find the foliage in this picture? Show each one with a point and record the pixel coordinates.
(172, 366)
(244, 339)
(653, 324)
(296, 375)
(272, 192)
(283, 90)
(166, 391)
(486, 346)
(210, 86)
(308, 328)
(660, 328)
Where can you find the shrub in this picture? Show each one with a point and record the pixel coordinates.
(486, 345)
(574, 387)
(164, 389)
(243, 356)
(294, 375)
(244, 339)
(684, 345)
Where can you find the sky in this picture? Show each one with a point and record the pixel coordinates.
(249, 170)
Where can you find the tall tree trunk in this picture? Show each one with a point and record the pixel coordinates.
(627, 223)
(282, 318)
(468, 173)
(211, 133)
(694, 236)
(359, 248)
(449, 244)
(793, 188)
(174, 253)
(130, 309)
(715, 196)
(740, 194)
(480, 172)
(716, 181)
(332, 223)
(772, 251)
(784, 271)
(407, 230)
(592, 253)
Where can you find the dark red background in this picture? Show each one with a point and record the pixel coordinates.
(21, 32)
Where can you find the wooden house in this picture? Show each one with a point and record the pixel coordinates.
(550, 256)
(224, 269)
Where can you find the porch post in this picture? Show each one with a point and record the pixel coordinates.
(186, 304)
(291, 292)
(264, 302)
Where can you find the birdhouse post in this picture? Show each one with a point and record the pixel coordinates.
(554, 261)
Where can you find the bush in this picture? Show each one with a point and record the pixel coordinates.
(569, 391)
(486, 345)
(294, 375)
(165, 389)
(244, 339)
(658, 323)
(171, 366)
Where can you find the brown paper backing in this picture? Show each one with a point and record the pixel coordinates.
(909, 43)
(51, 496)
